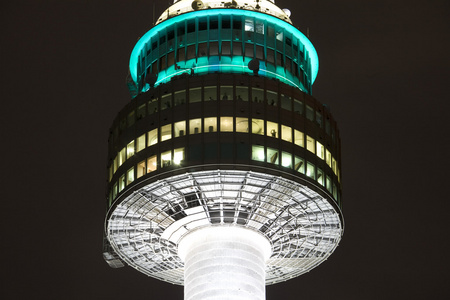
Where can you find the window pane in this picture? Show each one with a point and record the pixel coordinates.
(258, 153)
(210, 124)
(272, 156)
(299, 164)
(272, 98)
(140, 143)
(178, 156)
(286, 160)
(328, 157)
(320, 177)
(166, 132)
(298, 107)
(141, 169)
(121, 183)
(286, 133)
(166, 101)
(242, 125)
(328, 184)
(319, 119)
(179, 98)
(258, 126)
(310, 145)
(226, 124)
(114, 191)
(333, 164)
(310, 172)
(130, 149)
(152, 137)
(320, 150)
(298, 138)
(179, 128)
(131, 118)
(226, 93)
(195, 126)
(151, 164)
(152, 106)
(195, 95)
(272, 129)
(122, 156)
(258, 95)
(141, 111)
(309, 113)
(286, 102)
(166, 159)
(130, 176)
(210, 93)
(242, 93)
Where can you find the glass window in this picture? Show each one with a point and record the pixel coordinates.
(272, 129)
(130, 149)
(334, 191)
(190, 52)
(213, 48)
(152, 137)
(166, 132)
(270, 56)
(179, 128)
(140, 143)
(195, 126)
(130, 176)
(248, 50)
(320, 177)
(178, 156)
(121, 183)
(141, 111)
(226, 124)
(237, 48)
(242, 125)
(210, 93)
(195, 95)
(141, 169)
(319, 119)
(299, 164)
(333, 164)
(166, 101)
(310, 171)
(110, 172)
(202, 49)
(179, 98)
(298, 138)
(210, 125)
(272, 156)
(226, 93)
(116, 163)
(258, 95)
(309, 113)
(249, 24)
(115, 190)
(328, 157)
(320, 150)
(152, 106)
(286, 102)
(258, 126)
(286, 160)
(327, 126)
(242, 93)
(298, 107)
(166, 159)
(310, 145)
(328, 184)
(259, 26)
(258, 153)
(226, 48)
(286, 133)
(151, 164)
(122, 156)
(272, 98)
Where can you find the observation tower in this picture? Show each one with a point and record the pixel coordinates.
(223, 170)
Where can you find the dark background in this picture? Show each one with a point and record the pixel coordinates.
(384, 71)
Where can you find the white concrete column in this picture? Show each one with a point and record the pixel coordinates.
(224, 263)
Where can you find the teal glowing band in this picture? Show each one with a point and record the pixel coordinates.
(314, 59)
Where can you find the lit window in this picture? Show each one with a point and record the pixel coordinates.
(310, 172)
(328, 184)
(320, 177)
(286, 133)
(286, 160)
(141, 169)
(122, 156)
(121, 183)
(338, 173)
(226, 93)
(328, 157)
(130, 176)
(178, 156)
(179, 128)
(298, 138)
(242, 125)
(259, 26)
(258, 126)
(140, 143)
(152, 137)
(272, 156)
(130, 149)
(210, 124)
(114, 192)
(320, 150)
(195, 126)
(333, 165)
(299, 164)
(166, 159)
(226, 124)
(151, 164)
(258, 153)
(310, 145)
(166, 132)
(272, 129)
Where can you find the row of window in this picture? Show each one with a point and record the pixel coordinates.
(259, 153)
(223, 124)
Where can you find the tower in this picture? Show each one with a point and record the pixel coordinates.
(223, 170)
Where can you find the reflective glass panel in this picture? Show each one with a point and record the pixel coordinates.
(299, 164)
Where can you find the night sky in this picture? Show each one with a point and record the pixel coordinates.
(384, 72)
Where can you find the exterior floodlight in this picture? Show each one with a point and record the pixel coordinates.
(223, 171)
